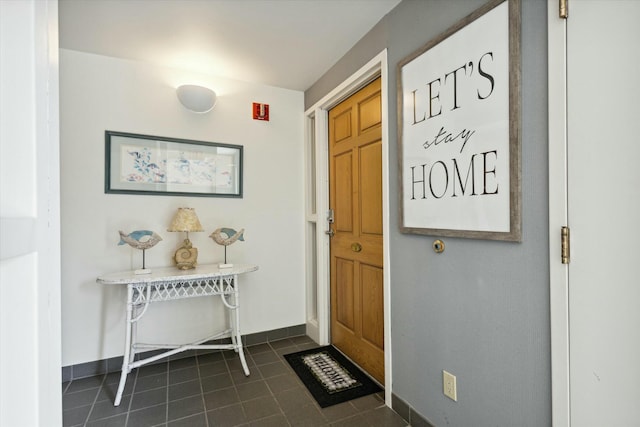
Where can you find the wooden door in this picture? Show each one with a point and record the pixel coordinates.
(604, 212)
(355, 195)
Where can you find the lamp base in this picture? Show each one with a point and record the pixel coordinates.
(186, 257)
(225, 265)
(142, 271)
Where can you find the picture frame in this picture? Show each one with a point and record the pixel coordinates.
(459, 129)
(155, 165)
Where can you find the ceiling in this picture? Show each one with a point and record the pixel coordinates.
(284, 43)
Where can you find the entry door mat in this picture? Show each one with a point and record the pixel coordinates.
(329, 376)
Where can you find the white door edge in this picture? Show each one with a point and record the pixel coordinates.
(558, 272)
(319, 112)
(30, 344)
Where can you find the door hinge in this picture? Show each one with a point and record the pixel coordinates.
(564, 8)
(565, 245)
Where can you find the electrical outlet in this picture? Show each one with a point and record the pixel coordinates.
(449, 386)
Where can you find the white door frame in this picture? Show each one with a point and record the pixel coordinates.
(558, 216)
(30, 329)
(316, 119)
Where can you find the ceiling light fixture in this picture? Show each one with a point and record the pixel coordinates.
(195, 98)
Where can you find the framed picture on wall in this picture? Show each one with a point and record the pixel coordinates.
(144, 164)
(459, 129)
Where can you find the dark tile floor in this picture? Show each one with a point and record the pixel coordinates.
(211, 390)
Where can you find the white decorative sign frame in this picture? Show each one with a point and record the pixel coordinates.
(459, 129)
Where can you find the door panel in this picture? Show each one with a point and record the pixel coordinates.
(604, 212)
(343, 205)
(372, 320)
(345, 293)
(369, 112)
(342, 126)
(371, 188)
(355, 194)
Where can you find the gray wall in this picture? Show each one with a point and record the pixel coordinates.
(480, 310)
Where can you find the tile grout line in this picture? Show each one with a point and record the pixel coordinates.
(235, 386)
(133, 389)
(204, 403)
(271, 391)
(166, 409)
(86, 420)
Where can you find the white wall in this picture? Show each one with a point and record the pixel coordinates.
(100, 93)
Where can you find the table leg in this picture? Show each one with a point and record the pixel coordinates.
(236, 326)
(134, 336)
(232, 320)
(126, 361)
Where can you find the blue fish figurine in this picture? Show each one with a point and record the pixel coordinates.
(225, 236)
(140, 239)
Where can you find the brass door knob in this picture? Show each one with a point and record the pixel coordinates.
(356, 247)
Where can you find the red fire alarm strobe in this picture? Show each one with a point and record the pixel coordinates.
(260, 111)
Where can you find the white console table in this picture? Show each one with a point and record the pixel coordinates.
(165, 284)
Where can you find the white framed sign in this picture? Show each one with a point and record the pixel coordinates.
(459, 129)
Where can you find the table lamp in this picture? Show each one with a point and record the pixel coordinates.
(186, 220)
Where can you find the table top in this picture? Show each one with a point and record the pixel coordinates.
(173, 273)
